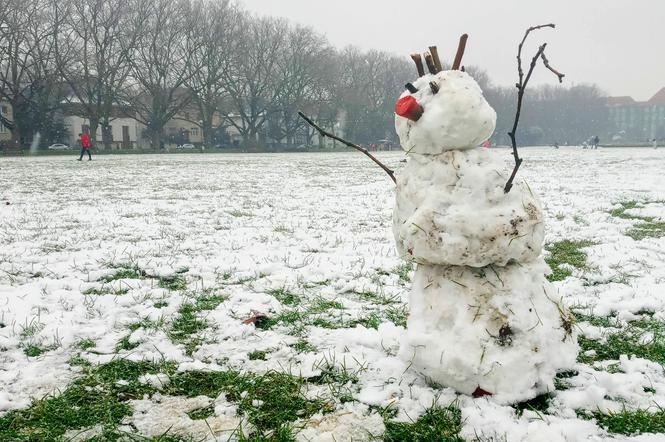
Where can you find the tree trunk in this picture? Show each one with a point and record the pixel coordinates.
(206, 129)
(156, 138)
(16, 136)
(94, 125)
(107, 134)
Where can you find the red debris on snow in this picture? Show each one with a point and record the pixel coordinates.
(479, 392)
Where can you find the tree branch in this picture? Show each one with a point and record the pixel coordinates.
(348, 143)
(554, 71)
(521, 87)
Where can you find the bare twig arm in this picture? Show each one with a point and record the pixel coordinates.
(521, 87)
(325, 133)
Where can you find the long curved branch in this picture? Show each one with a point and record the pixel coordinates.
(325, 133)
(521, 87)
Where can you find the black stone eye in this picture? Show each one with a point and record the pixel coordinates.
(434, 87)
(411, 88)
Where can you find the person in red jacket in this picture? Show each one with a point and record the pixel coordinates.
(85, 145)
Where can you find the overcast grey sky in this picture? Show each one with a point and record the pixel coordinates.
(618, 44)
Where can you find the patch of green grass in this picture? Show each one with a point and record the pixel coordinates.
(314, 315)
(620, 212)
(338, 378)
(239, 213)
(539, 404)
(398, 315)
(175, 282)
(326, 323)
(147, 324)
(322, 305)
(125, 273)
(99, 397)
(628, 422)
(628, 341)
(31, 329)
(32, 350)
(257, 355)
(566, 252)
(312, 284)
(270, 401)
(579, 220)
(373, 320)
(208, 301)
(160, 304)
(438, 424)
(124, 344)
(289, 317)
(186, 326)
(377, 298)
(202, 413)
(106, 290)
(284, 296)
(78, 361)
(303, 346)
(649, 227)
(403, 271)
(85, 344)
(598, 321)
(560, 381)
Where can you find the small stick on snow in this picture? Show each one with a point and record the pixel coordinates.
(521, 87)
(430, 63)
(460, 51)
(323, 132)
(435, 58)
(419, 64)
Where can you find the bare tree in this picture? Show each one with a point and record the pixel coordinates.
(216, 25)
(94, 46)
(368, 85)
(302, 70)
(253, 81)
(25, 56)
(161, 63)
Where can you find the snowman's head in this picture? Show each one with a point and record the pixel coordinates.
(446, 112)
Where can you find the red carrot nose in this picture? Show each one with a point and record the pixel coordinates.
(408, 107)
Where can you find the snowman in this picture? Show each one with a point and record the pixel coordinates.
(483, 318)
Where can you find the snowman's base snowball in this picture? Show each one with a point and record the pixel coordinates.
(451, 210)
(500, 329)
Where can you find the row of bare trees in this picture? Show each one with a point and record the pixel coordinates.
(214, 64)
(153, 59)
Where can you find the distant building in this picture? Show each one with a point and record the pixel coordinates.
(638, 120)
(125, 132)
(5, 111)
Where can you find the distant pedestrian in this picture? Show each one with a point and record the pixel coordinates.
(85, 145)
(655, 143)
(595, 142)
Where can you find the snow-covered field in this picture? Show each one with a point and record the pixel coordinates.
(133, 289)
